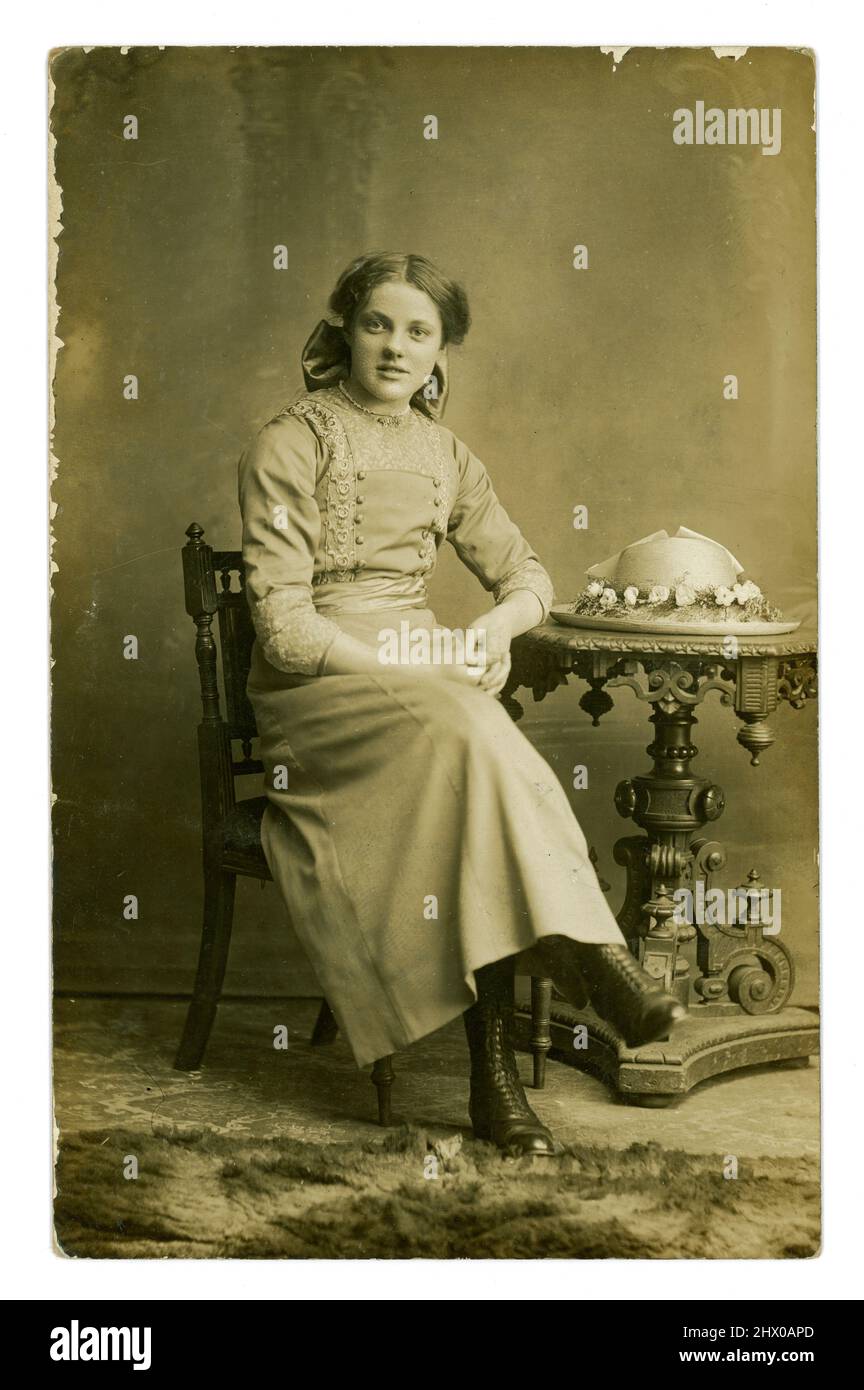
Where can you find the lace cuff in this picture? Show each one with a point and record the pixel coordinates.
(293, 635)
(529, 575)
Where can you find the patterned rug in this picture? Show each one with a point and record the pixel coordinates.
(199, 1194)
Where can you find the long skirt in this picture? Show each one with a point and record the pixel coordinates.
(415, 835)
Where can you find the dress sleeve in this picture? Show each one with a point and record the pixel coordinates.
(281, 532)
(485, 538)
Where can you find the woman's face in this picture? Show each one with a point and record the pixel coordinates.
(395, 339)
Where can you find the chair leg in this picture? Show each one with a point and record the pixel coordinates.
(215, 939)
(382, 1079)
(326, 1028)
(541, 1019)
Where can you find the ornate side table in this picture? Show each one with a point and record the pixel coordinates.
(734, 976)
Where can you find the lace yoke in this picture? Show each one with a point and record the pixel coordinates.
(356, 443)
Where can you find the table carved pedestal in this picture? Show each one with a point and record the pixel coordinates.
(735, 977)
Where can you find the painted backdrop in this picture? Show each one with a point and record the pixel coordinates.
(600, 386)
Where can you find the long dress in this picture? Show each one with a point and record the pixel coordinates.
(413, 831)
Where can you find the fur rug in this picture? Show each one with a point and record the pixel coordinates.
(201, 1194)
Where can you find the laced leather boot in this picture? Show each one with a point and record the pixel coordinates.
(497, 1106)
(619, 989)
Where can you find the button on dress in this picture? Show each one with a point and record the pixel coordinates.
(414, 832)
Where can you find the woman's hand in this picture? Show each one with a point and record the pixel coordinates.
(460, 672)
(491, 655)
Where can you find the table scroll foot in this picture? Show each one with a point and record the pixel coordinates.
(661, 1073)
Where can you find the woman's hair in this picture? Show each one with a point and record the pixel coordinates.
(377, 267)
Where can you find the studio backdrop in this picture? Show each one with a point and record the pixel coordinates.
(196, 252)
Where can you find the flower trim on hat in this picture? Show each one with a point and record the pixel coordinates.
(741, 602)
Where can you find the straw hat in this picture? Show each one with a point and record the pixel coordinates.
(681, 583)
(700, 563)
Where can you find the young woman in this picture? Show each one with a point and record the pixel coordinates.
(421, 843)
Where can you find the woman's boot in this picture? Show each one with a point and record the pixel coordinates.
(620, 991)
(498, 1108)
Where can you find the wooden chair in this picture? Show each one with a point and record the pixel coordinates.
(231, 829)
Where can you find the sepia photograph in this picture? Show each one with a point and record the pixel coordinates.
(434, 730)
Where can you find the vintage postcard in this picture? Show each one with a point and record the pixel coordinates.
(434, 629)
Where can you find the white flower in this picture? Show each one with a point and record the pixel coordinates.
(750, 590)
(740, 592)
(684, 595)
(608, 598)
(658, 593)
(631, 594)
(724, 596)
(595, 589)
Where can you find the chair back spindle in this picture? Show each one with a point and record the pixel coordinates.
(205, 598)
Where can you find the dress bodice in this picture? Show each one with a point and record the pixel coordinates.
(344, 511)
(384, 492)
